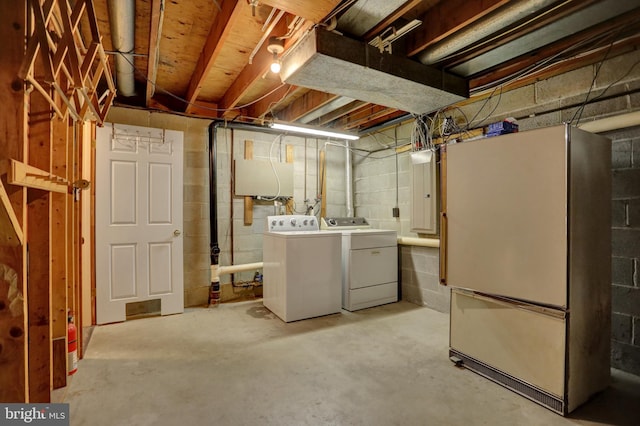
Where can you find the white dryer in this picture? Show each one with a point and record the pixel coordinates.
(301, 268)
(369, 263)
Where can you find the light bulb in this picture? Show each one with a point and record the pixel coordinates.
(275, 64)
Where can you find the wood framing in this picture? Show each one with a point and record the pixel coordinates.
(39, 279)
(155, 31)
(314, 11)
(13, 323)
(220, 31)
(248, 201)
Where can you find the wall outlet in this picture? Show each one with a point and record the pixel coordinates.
(396, 212)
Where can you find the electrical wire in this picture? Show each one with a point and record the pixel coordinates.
(273, 168)
(185, 101)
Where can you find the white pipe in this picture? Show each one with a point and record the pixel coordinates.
(419, 242)
(122, 15)
(348, 180)
(612, 123)
(217, 270)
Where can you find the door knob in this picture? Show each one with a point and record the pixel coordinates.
(177, 233)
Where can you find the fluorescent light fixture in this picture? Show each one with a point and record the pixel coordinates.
(313, 131)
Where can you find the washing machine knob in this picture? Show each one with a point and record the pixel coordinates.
(273, 223)
(293, 222)
(305, 222)
(281, 222)
(312, 222)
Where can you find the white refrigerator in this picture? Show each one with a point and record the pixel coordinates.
(527, 252)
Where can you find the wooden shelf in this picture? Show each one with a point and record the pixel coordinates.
(28, 176)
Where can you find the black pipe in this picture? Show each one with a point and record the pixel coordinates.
(213, 194)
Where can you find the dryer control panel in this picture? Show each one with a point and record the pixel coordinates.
(295, 222)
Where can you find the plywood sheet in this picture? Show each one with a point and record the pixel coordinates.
(185, 29)
(235, 53)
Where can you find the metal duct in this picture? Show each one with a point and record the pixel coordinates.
(122, 16)
(332, 63)
(491, 24)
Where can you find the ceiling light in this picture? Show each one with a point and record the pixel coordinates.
(276, 47)
(314, 131)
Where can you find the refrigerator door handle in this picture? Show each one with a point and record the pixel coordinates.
(443, 248)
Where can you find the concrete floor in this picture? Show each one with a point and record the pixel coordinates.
(238, 364)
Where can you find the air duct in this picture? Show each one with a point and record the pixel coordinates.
(122, 16)
(336, 64)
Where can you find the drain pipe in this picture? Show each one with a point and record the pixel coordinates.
(214, 291)
(348, 180)
(122, 15)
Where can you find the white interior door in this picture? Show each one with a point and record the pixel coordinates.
(138, 219)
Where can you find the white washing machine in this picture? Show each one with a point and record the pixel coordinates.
(302, 273)
(369, 263)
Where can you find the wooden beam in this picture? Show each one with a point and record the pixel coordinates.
(447, 17)
(389, 20)
(155, 33)
(265, 105)
(13, 33)
(314, 11)
(230, 11)
(251, 72)
(307, 103)
(340, 112)
(248, 201)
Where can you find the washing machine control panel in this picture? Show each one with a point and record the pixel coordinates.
(296, 222)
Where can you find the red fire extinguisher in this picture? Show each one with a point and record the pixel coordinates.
(72, 351)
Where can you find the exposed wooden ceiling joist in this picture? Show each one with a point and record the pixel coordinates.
(309, 102)
(314, 11)
(265, 105)
(446, 17)
(230, 10)
(155, 29)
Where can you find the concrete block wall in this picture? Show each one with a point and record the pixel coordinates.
(625, 262)
(419, 268)
(197, 275)
(243, 244)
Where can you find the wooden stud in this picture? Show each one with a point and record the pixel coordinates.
(289, 157)
(309, 102)
(59, 254)
(248, 201)
(39, 278)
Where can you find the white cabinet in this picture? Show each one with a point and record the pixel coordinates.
(424, 203)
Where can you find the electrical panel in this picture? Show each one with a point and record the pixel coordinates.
(264, 178)
(424, 200)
